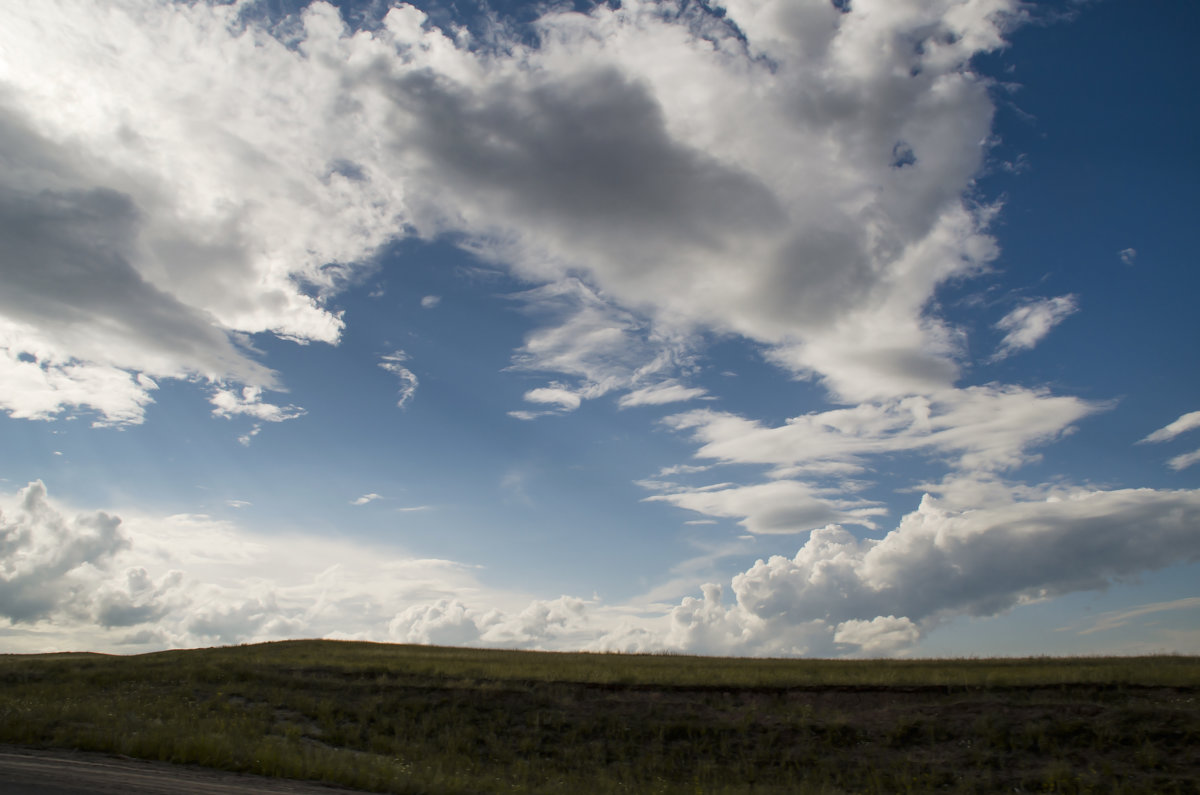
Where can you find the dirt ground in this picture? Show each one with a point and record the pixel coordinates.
(27, 771)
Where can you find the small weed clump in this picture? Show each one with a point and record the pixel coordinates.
(408, 719)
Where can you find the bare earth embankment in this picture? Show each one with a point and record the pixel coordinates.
(434, 720)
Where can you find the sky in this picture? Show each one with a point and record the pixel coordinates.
(758, 327)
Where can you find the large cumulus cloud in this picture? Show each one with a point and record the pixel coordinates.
(793, 173)
(48, 561)
(156, 206)
(840, 593)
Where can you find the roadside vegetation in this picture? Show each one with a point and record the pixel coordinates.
(412, 719)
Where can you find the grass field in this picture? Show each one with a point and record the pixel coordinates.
(413, 719)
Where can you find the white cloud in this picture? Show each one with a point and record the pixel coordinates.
(42, 388)
(393, 363)
(777, 507)
(882, 636)
(801, 185)
(985, 428)
(446, 622)
(542, 621)
(138, 599)
(452, 622)
(606, 348)
(681, 469)
(430, 301)
(93, 580)
(1029, 323)
(528, 416)
(796, 178)
(878, 596)
(707, 626)
(1115, 619)
(98, 582)
(245, 439)
(130, 252)
(1184, 460)
(1187, 422)
(808, 277)
(1128, 256)
(229, 403)
(48, 562)
(364, 499)
(660, 394)
(569, 401)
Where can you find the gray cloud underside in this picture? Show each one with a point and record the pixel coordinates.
(705, 179)
(41, 550)
(585, 157)
(68, 270)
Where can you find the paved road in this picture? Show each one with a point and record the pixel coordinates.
(26, 771)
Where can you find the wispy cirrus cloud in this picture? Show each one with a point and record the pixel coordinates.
(979, 428)
(565, 399)
(602, 346)
(1184, 460)
(248, 402)
(229, 403)
(1115, 619)
(776, 507)
(1185, 423)
(1028, 324)
(661, 394)
(394, 364)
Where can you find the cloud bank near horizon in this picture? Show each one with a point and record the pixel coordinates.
(189, 580)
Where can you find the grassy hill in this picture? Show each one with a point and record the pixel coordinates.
(418, 719)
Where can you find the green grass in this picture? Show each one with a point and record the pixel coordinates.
(413, 719)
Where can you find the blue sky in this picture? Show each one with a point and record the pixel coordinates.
(756, 328)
